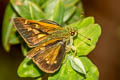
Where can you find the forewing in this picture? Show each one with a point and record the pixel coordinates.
(34, 32)
(49, 58)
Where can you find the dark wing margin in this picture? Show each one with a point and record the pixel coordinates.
(34, 32)
(50, 58)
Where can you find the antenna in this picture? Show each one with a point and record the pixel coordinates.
(86, 37)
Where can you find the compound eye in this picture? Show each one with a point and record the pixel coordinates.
(72, 33)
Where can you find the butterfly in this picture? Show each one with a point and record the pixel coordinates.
(48, 40)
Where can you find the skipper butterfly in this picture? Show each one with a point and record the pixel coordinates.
(48, 40)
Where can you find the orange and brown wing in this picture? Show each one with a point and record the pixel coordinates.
(49, 57)
(34, 32)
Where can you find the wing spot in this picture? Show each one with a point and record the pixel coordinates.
(48, 62)
(41, 35)
(36, 31)
(42, 48)
(36, 26)
(55, 62)
(26, 21)
(46, 59)
(37, 49)
(29, 29)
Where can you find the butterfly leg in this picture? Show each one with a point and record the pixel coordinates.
(71, 47)
(74, 49)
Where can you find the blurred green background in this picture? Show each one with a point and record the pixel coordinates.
(105, 56)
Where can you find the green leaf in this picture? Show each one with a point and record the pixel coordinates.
(86, 30)
(24, 48)
(28, 69)
(82, 42)
(7, 26)
(49, 8)
(39, 2)
(14, 37)
(78, 14)
(76, 64)
(28, 9)
(59, 12)
(70, 2)
(66, 73)
(91, 69)
(70, 7)
(68, 13)
(85, 22)
(39, 79)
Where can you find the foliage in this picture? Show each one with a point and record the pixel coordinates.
(66, 13)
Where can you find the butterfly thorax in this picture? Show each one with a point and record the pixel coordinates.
(64, 34)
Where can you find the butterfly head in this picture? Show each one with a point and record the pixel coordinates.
(73, 32)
